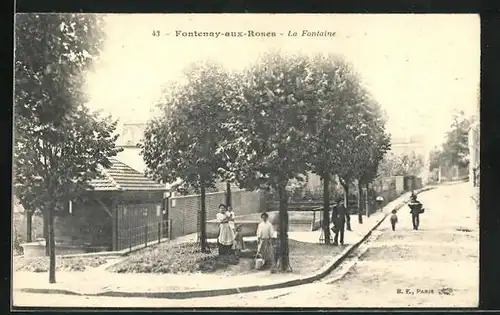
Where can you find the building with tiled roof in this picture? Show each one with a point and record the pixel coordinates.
(123, 177)
(122, 209)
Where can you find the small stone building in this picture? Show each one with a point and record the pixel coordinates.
(122, 210)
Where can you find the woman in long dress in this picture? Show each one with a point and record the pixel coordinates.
(265, 234)
(230, 214)
(226, 235)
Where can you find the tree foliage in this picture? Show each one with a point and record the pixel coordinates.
(455, 150)
(183, 142)
(266, 127)
(335, 105)
(59, 144)
(402, 164)
(435, 158)
(266, 123)
(51, 53)
(377, 143)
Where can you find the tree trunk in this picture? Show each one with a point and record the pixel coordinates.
(45, 216)
(367, 201)
(203, 220)
(345, 185)
(229, 199)
(52, 246)
(326, 207)
(29, 220)
(360, 203)
(283, 259)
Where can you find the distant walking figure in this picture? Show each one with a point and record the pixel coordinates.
(339, 219)
(415, 210)
(394, 219)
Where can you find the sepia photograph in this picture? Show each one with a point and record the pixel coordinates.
(245, 160)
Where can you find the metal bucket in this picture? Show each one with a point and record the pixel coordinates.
(259, 262)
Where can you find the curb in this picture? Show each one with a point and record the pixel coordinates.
(230, 291)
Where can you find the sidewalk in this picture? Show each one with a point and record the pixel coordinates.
(101, 282)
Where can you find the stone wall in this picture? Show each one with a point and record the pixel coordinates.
(183, 210)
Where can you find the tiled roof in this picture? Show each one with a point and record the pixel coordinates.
(122, 177)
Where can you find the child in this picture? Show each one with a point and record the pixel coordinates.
(230, 216)
(394, 220)
(238, 240)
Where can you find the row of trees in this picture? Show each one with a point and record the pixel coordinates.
(265, 127)
(59, 144)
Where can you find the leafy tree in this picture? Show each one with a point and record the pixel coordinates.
(183, 141)
(379, 145)
(435, 158)
(268, 130)
(375, 146)
(455, 148)
(355, 141)
(330, 110)
(58, 143)
(53, 165)
(229, 170)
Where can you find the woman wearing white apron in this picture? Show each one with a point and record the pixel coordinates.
(225, 239)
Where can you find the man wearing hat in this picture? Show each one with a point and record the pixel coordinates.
(415, 210)
(339, 218)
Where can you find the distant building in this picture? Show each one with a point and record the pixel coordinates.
(131, 135)
(407, 145)
(413, 144)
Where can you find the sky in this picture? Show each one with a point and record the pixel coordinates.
(420, 68)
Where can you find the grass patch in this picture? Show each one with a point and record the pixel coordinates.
(173, 258)
(168, 258)
(41, 264)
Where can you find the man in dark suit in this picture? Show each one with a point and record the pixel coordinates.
(415, 209)
(339, 218)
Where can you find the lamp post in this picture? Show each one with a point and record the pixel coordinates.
(145, 214)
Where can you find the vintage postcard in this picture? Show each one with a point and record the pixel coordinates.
(246, 160)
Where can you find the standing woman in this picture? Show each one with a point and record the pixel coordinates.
(265, 233)
(226, 236)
